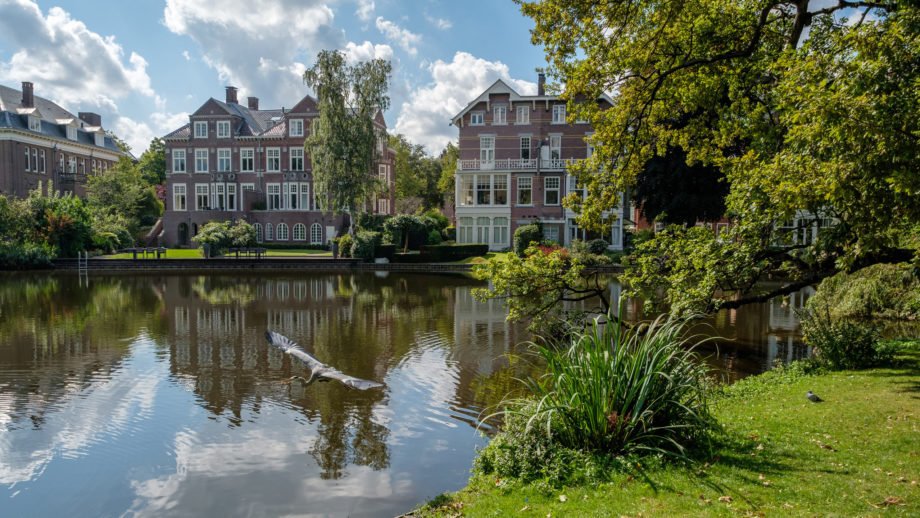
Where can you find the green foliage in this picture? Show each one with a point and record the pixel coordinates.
(584, 252)
(372, 222)
(449, 233)
(400, 228)
(124, 193)
(826, 127)
(841, 343)
(597, 246)
(222, 235)
(242, 235)
(111, 232)
(60, 221)
(449, 157)
(342, 148)
(345, 244)
(618, 389)
(25, 256)
(365, 243)
(881, 290)
(417, 174)
(524, 236)
(447, 253)
(434, 237)
(152, 164)
(763, 384)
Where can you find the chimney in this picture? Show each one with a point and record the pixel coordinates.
(541, 84)
(253, 103)
(28, 100)
(231, 95)
(92, 119)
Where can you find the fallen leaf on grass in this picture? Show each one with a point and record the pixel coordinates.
(525, 508)
(787, 506)
(892, 500)
(562, 498)
(766, 483)
(725, 499)
(759, 447)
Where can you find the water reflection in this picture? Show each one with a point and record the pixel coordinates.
(158, 395)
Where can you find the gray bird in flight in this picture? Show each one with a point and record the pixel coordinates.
(319, 371)
(813, 397)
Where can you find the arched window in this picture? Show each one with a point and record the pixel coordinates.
(259, 234)
(316, 234)
(268, 232)
(282, 232)
(300, 232)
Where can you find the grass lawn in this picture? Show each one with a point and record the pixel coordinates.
(856, 454)
(171, 253)
(297, 252)
(482, 259)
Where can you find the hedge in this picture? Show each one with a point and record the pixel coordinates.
(448, 253)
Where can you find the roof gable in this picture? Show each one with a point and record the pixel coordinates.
(212, 107)
(306, 105)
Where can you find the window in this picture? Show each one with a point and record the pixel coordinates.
(500, 232)
(259, 233)
(574, 187)
(551, 233)
(383, 206)
(269, 234)
(483, 189)
(247, 187)
(223, 160)
(201, 129)
(482, 229)
(274, 196)
(476, 118)
(555, 147)
(551, 190)
(291, 193)
(247, 160)
(525, 190)
(296, 159)
(61, 163)
(72, 133)
(465, 230)
(295, 128)
(300, 232)
(316, 234)
(93, 168)
(466, 190)
(178, 196)
(382, 173)
(223, 129)
(558, 114)
(72, 163)
(28, 160)
(82, 166)
(499, 115)
(500, 189)
(35, 124)
(231, 196)
(314, 126)
(525, 148)
(220, 192)
(178, 160)
(304, 196)
(201, 196)
(273, 155)
(523, 115)
(282, 231)
(487, 149)
(201, 160)
(41, 164)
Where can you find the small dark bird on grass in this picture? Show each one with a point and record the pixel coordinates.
(813, 397)
(319, 371)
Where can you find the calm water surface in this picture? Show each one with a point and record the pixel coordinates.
(157, 395)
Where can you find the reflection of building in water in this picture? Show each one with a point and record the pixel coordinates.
(783, 337)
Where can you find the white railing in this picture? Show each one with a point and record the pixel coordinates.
(514, 164)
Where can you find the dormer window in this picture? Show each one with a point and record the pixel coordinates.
(295, 127)
(100, 139)
(223, 129)
(35, 124)
(201, 129)
(71, 133)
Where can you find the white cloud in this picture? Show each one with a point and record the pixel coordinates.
(402, 37)
(367, 51)
(186, 55)
(257, 52)
(425, 118)
(365, 9)
(440, 23)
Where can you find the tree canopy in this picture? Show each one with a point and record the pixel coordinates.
(342, 148)
(417, 176)
(824, 95)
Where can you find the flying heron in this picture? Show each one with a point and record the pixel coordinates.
(319, 370)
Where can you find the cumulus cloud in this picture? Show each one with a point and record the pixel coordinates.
(259, 52)
(402, 37)
(440, 23)
(425, 118)
(365, 9)
(367, 51)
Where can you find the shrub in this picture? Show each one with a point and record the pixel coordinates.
(385, 251)
(524, 235)
(214, 237)
(371, 222)
(618, 390)
(25, 256)
(840, 343)
(438, 221)
(881, 290)
(434, 238)
(364, 244)
(449, 233)
(447, 253)
(345, 244)
(582, 251)
(597, 246)
(242, 235)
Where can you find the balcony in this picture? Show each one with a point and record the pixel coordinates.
(515, 164)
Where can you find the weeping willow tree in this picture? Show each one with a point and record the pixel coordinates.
(342, 146)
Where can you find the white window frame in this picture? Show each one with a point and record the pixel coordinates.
(528, 140)
(223, 160)
(72, 164)
(281, 232)
(272, 190)
(525, 183)
(299, 232)
(223, 129)
(547, 189)
(178, 165)
(201, 129)
(476, 118)
(273, 159)
(558, 114)
(71, 133)
(201, 159)
(35, 124)
(247, 154)
(466, 190)
(295, 127)
(269, 232)
(180, 201)
(486, 149)
(316, 234)
(522, 115)
(555, 146)
(28, 159)
(202, 190)
(260, 236)
(499, 115)
(304, 196)
(295, 155)
(220, 196)
(292, 195)
(42, 163)
(231, 196)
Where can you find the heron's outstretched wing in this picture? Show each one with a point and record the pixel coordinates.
(350, 381)
(286, 345)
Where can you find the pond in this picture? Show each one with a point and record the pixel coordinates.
(157, 394)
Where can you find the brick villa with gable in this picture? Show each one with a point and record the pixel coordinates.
(234, 162)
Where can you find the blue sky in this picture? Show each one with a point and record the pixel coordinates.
(144, 65)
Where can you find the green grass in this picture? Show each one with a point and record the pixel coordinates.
(171, 253)
(296, 252)
(482, 259)
(856, 454)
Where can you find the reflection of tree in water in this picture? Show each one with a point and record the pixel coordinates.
(57, 336)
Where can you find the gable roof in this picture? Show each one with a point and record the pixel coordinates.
(500, 87)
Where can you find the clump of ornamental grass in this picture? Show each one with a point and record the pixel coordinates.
(614, 391)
